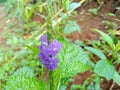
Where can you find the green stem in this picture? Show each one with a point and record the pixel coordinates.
(113, 56)
(58, 83)
(52, 85)
(54, 81)
(0, 85)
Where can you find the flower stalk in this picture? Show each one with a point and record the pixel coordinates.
(0, 85)
(49, 49)
(52, 85)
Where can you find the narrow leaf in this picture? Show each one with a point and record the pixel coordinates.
(96, 52)
(107, 38)
(35, 50)
(117, 48)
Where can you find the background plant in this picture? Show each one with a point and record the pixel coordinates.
(21, 63)
(108, 52)
(24, 53)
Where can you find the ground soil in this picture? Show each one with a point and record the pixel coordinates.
(86, 22)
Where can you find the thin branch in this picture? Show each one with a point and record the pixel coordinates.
(59, 20)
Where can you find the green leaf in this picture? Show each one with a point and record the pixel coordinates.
(80, 43)
(71, 27)
(93, 11)
(111, 14)
(13, 40)
(75, 87)
(72, 59)
(62, 87)
(96, 52)
(116, 78)
(107, 38)
(65, 4)
(2, 1)
(2, 73)
(24, 79)
(35, 50)
(117, 48)
(73, 5)
(104, 69)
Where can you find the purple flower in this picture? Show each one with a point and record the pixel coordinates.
(48, 52)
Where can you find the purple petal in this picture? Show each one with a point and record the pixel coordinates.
(42, 47)
(51, 64)
(53, 48)
(48, 52)
(44, 39)
(42, 57)
(44, 42)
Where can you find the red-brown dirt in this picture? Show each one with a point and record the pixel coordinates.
(87, 22)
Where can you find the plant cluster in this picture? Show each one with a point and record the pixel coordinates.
(33, 48)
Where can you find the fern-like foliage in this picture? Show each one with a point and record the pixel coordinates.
(1, 1)
(24, 79)
(72, 59)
